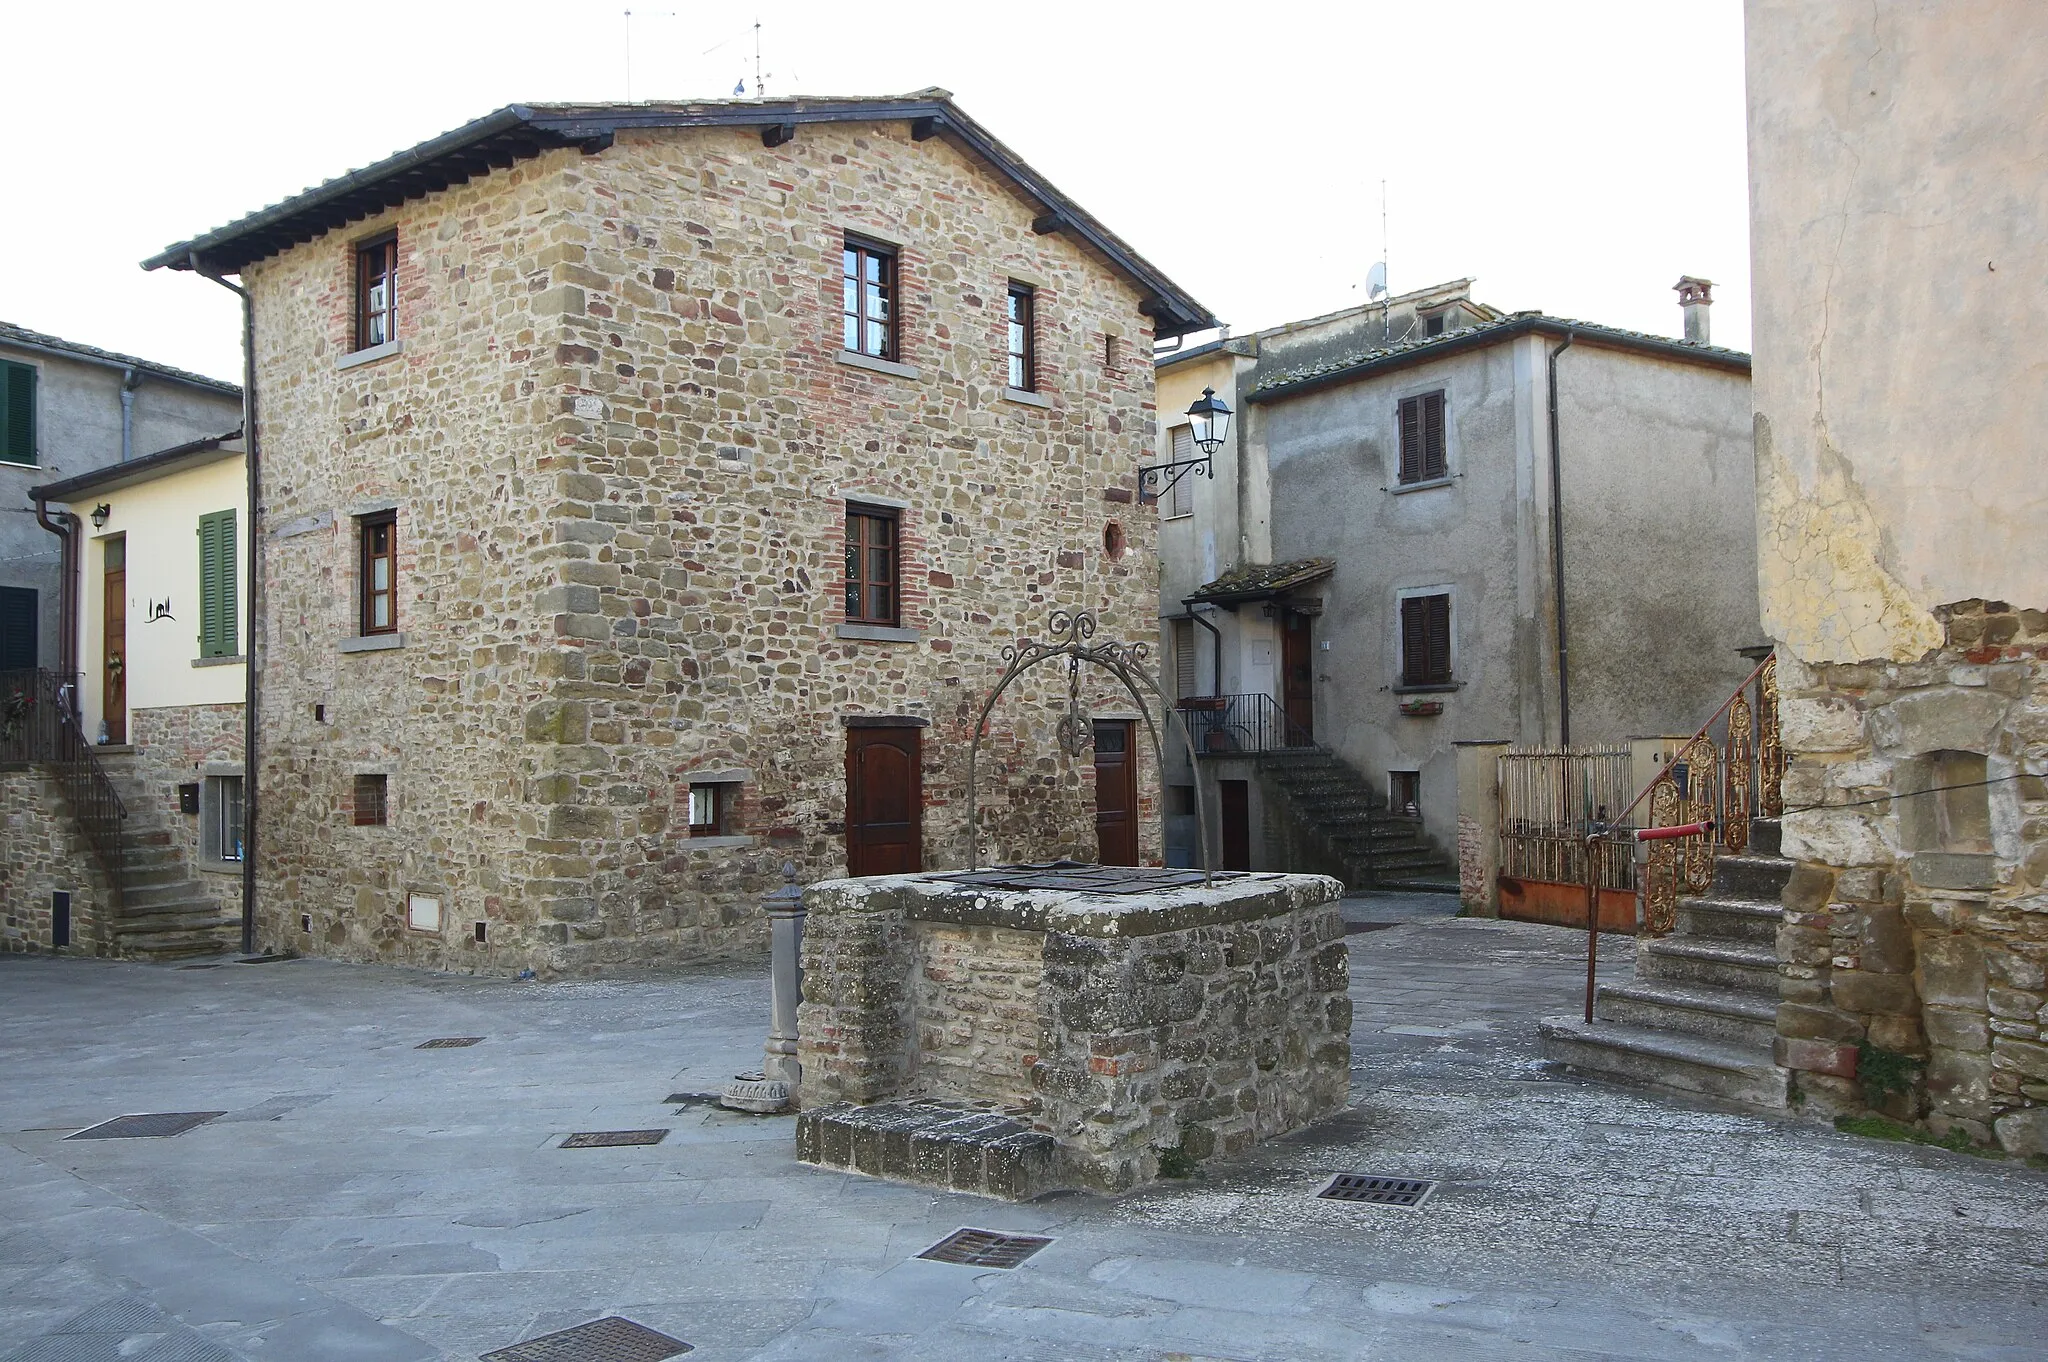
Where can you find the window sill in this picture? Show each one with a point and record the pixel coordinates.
(879, 633)
(1178, 515)
(371, 355)
(855, 360)
(214, 867)
(16, 463)
(237, 660)
(1424, 486)
(714, 843)
(370, 643)
(1444, 688)
(1024, 397)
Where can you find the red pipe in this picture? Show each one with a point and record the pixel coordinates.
(1682, 830)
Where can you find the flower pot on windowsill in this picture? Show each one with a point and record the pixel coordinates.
(1421, 709)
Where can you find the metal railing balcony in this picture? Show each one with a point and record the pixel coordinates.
(1241, 725)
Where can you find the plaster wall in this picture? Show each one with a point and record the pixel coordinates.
(1899, 229)
(159, 519)
(78, 428)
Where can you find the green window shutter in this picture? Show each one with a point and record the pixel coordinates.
(18, 428)
(218, 634)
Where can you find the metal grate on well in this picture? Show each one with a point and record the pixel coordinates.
(1377, 1191)
(985, 1248)
(612, 1139)
(611, 1339)
(1080, 878)
(447, 1042)
(152, 1125)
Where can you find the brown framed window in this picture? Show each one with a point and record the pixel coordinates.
(371, 806)
(868, 298)
(1426, 641)
(379, 571)
(871, 566)
(1422, 438)
(712, 808)
(1023, 313)
(377, 292)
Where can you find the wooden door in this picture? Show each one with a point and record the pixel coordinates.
(1116, 793)
(1235, 798)
(884, 802)
(114, 641)
(1297, 676)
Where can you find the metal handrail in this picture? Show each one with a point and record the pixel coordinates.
(39, 724)
(1243, 725)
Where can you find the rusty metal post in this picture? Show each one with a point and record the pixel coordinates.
(1596, 845)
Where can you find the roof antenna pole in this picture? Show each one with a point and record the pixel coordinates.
(1387, 294)
(629, 56)
(759, 93)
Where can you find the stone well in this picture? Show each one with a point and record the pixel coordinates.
(1015, 1030)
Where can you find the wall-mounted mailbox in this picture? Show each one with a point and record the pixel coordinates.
(188, 799)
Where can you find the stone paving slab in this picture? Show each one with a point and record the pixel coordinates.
(365, 1199)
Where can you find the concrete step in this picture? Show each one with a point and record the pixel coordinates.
(1684, 1063)
(1722, 919)
(933, 1144)
(1715, 1013)
(1742, 966)
(1750, 876)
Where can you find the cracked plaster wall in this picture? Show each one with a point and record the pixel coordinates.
(1900, 238)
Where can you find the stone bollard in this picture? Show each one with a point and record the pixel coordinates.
(773, 1088)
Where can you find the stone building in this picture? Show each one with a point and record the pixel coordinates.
(69, 408)
(1379, 562)
(1894, 160)
(156, 614)
(648, 494)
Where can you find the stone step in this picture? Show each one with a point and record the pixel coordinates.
(935, 1144)
(1665, 1059)
(1715, 1013)
(1750, 876)
(1722, 919)
(1742, 966)
(143, 898)
(1409, 885)
(1764, 837)
(182, 917)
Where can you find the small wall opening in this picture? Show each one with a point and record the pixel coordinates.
(1954, 813)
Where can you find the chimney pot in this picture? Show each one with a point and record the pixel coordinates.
(1695, 296)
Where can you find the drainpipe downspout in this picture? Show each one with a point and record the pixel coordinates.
(252, 666)
(1564, 683)
(131, 379)
(65, 527)
(1216, 653)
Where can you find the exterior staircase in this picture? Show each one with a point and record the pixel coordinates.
(166, 912)
(1701, 1012)
(1368, 845)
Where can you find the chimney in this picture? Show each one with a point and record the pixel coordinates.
(1695, 296)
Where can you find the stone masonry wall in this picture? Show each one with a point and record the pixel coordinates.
(1915, 944)
(975, 1009)
(619, 441)
(45, 851)
(175, 745)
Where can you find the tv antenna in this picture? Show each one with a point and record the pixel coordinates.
(663, 13)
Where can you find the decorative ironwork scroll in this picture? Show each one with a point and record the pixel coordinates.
(1770, 753)
(1070, 635)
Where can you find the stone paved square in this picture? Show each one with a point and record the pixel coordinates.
(365, 1199)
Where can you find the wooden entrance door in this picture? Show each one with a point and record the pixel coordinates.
(1116, 794)
(1297, 676)
(114, 640)
(1235, 797)
(884, 802)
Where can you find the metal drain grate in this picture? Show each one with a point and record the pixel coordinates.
(1360, 928)
(213, 965)
(985, 1248)
(153, 1125)
(610, 1339)
(611, 1139)
(1377, 1191)
(447, 1042)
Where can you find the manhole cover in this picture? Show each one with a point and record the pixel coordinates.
(610, 1339)
(213, 965)
(1377, 1191)
(447, 1042)
(265, 959)
(691, 1099)
(608, 1139)
(985, 1248)
(154, 1125)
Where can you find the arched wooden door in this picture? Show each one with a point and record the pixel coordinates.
(884, 801)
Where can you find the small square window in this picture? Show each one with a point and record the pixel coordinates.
(377, 292)
(371, 808)
(871, 566)
(1023, 331)
(868, 299)
(713, 808)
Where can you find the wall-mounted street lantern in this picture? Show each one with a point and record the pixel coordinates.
(100, 515)
(1209, 423)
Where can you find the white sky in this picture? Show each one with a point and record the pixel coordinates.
(1572, 155)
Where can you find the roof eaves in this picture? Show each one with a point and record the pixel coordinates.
(21, 338)
(139, 470)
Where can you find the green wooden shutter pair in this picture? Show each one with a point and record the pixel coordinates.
(18, 419)
(217, 632)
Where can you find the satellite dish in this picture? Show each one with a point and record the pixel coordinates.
(1376, 279)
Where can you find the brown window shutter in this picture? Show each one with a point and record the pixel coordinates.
(1414, 641)
(1411, 439)
(1439, 616)
(1183, 659)
(1432, 436)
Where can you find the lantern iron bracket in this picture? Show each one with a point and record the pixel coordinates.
(1155, 480)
